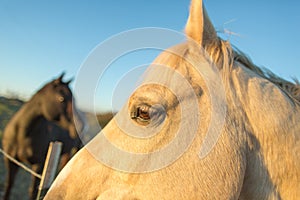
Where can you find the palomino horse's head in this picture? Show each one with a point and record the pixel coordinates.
(202, 125)
(56, 102)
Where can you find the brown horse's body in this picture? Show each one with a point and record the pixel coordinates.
(205, 124)
(46, 117)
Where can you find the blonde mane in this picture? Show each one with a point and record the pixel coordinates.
(224, 55)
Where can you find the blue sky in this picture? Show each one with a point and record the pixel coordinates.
(39, 39)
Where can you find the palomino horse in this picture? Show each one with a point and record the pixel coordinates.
(48, 116)
(241, 139)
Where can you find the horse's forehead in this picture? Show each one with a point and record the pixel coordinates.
(185, 52)
(188, 60)
(62, 89)
(66, 90)
(177, 72)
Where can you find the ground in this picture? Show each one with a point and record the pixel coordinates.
(20, 190)
(8, 107)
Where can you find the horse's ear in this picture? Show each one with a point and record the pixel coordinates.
(69, 81)
(199, 27)
(60, 78)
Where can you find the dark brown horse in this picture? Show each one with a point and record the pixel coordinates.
(48, 116)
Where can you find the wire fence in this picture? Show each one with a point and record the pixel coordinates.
(20, 164)
(50, 167)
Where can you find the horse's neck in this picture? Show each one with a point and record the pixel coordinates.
(29, 112)
(270, 111)
(273, 138)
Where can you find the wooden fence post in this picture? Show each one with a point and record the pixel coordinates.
(50, 168)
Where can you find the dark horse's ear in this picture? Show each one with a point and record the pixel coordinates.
(69, 81)
(59, 79)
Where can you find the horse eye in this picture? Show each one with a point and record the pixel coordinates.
(61, 99)
(141, 113)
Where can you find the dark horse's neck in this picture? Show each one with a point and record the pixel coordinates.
(20, 127)
(29, 112)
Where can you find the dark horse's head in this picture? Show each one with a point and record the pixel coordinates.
(56, 102)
